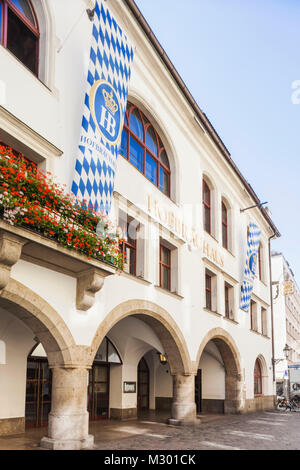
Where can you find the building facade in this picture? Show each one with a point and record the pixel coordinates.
(80, 341)
(286, 308)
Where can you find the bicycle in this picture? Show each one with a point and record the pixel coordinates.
(284, 404)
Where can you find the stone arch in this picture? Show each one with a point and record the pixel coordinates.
(160, 321)
(137, 99)
(43, 320)
(232, 363)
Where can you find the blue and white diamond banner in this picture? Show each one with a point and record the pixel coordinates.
(250, 268)
(105, 101)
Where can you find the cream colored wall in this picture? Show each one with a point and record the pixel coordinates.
(213, 373)
(18, 340)
(133, 340)
(56, 114)
(163, 381)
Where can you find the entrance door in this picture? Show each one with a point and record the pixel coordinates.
(38, 393)
(198, 391)
(98, 392)
(143, 386)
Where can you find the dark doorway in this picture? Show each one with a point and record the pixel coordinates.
(143, 386)
(38, 392)
(99, 380)
(198, 391)
(98, 392)
(39, 385)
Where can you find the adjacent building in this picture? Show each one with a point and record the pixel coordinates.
(286, 307)
(80, 341)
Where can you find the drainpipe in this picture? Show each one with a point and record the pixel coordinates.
(271, 298)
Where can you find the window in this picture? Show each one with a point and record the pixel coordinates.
(264, 324)
(165, 267)
(211, 291)
(206, 199)
(253, 315)
(227, 308)
(229, 300)
(257, 378)
(129, 247)
(142, 146)
(224, 226)
(19, 31)
(208, 293)
(107, 353)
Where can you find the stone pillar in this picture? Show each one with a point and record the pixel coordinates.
(183, 405)
(68, 427)
(234, 402)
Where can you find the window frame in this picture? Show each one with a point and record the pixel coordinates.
(227, 306)
(253, 316)
(225, 225)
(208, 291)
(8, 4)
(257, 378)
(164, 265)
(264, 319)
(206, 206)
(132, 247)
(146, 124)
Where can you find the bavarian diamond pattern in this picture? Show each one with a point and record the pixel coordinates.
(110, 59)
(247, 285)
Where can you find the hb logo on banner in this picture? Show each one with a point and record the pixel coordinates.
(250, 268)
(106, 110)
(105, 101)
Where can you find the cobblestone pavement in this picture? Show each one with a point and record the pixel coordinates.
(274, 430)
(259, 431)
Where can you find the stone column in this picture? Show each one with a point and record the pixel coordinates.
(68, 427)
(183, 405)
(234, 402)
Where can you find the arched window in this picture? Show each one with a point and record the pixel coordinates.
(224, 226)
(19, 31)
(257, 378)
(206, 200)
(142, 146)
(107, 353)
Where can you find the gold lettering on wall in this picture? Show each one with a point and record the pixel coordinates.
(175, 224)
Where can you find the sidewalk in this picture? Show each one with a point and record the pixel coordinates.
(103, 431)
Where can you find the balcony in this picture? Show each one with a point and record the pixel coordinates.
(41, 224)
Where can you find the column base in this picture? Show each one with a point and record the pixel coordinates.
(184, 422)
(55, 444)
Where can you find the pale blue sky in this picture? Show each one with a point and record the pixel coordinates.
(239, 59)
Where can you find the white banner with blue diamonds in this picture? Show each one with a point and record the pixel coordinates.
(251, 264)
(105, 101)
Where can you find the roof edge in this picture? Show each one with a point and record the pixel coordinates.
(200, 114)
